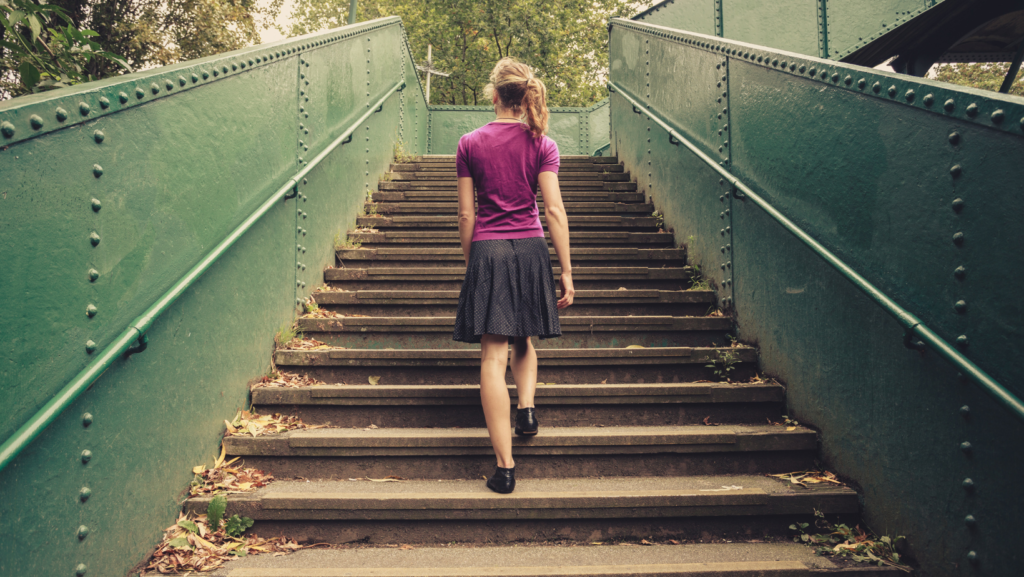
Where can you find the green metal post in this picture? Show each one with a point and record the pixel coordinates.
(352, 11)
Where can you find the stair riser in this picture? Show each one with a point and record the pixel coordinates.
(572, 337)
(469, 414)
(571, 208)
(451, 223)
(456, 284)
(433, 167)
(579, 186)
(577, 309)
(600, 527)
(452, 196)
(528, 466)
(459, 262)
(421, 375)
(451, 176)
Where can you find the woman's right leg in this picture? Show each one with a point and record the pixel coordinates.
(494, 396)
(524, 370)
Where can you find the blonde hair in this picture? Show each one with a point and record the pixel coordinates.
(522, 92)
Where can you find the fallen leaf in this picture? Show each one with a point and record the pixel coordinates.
(604, 382)
(406, 547)
(374, 380)
(790, 428)
(635, 347)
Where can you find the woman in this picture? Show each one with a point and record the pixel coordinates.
(508, 295)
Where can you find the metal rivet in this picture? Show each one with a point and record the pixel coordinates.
(80, 570)
(811, 72)
(960, 306)
(954, 138)
(848, 80)
(972, 110)
(98, 136)
(972, 557)
(97, 170)
(84, 494)
(824, 74)
(84, 109)
(949, 105)
(36, 121)
(168, 84)
(154, 88)
(90, 311)
(961, 341)
(216, 73)
(965, 411)
(206, 75)
(224, 69)
(122, 97)
(104, 102)
(7, 129)
(94, 239)
(968, 484)
(62, 114)
(956, 170)
(83, 532)
(181, 81)
(966, 447)
(928, 100)
(960, 272)
(139, 92)
(194, 78)
(93, 275)
(86, 419)
(86, 455)
(997, 116)
(861, 83)
(233, 67)
(958, 204)
(909, 95)
(958, 238)
(802, 69)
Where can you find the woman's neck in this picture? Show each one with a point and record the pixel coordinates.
(507, 115)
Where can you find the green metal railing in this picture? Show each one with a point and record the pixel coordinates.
(911, 324)
(133, 338)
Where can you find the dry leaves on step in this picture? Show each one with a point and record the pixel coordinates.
(707, 421)
(803, 478)
(283, 379)
(306, 345)
(252, 424)
(321, 313)
(190, 545)
(374, 380)
(224, 478)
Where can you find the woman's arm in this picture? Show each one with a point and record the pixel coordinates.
(467, 214)
(558, 226)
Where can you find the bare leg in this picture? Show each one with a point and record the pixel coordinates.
(494, 396)
(524, 370)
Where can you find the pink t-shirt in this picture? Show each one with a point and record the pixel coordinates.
(504, 160)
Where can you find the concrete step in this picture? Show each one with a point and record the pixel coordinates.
(577, 332)
(441, 166)
(571, 208)
(450, 239)
(599, 557)
(563, 159)
(561, 405)
(562, 366)
(539, 510)
(581, 256)
(598, 222)
(451, 277)
(452, 196)
(416, 303)
(566, 185)
(569, 175)
(557, 452)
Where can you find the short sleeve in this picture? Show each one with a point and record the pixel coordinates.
(548, 156)
(462, 163)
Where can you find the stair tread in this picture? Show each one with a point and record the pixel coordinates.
(327, 296)
(744, 353)
(721, 559)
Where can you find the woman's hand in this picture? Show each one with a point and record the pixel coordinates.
(567, 291)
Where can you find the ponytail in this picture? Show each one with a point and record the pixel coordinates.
(519, 90)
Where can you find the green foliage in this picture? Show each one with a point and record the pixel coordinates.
(402, 156)
(215, 511)
(853, 543)
(180, 543)
(41, 48)
(236, 525)
(189, 526)
(566, 41)
(286, 333)
(132, 33)
(697, 281)
(986, 76)
(724, 364)
(310, 306)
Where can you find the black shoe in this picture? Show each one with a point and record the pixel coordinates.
(503, 480)
(526, 422)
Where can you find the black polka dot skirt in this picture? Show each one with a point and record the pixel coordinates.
(509, 290)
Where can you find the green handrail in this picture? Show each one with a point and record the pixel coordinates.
(911, 324)
(135, 334)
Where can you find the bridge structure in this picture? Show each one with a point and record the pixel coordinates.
(859, 227)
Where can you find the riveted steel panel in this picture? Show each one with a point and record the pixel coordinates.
(853, 23)
(911, 183)
(567, 126)
(701, 99)
(693, 15)
(106, 203)
(789, 26)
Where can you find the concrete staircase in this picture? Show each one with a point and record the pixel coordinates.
(639, 443)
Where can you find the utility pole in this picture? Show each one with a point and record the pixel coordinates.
(429, 68)
(352, 12)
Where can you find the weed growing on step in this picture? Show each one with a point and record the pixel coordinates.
(347, 245)
(371, 209)
(285, 334)
(386, 177)
(402, 155)
(724, 364)
(697, 280)
(850, 543)
(659, 219)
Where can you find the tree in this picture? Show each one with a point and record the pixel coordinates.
(983, 75)
(149, 33)
(565, 41)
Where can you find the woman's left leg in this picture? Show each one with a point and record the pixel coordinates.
(494, 396)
